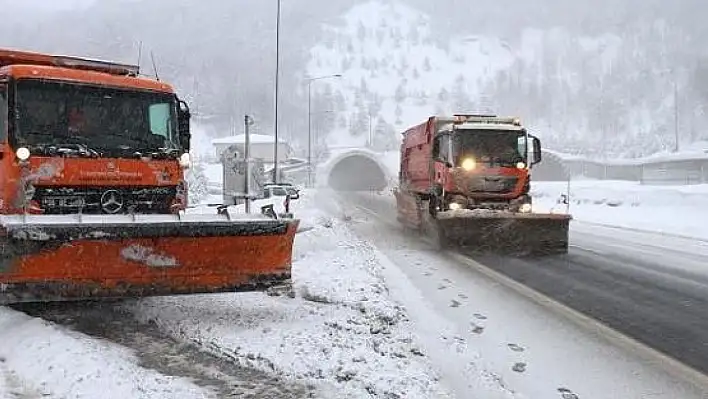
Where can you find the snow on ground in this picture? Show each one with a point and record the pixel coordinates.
(343, 331)
(527, 348)
(39, 359)
(678, 210)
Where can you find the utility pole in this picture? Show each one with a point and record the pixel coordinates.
(309, 123)
(277, 75)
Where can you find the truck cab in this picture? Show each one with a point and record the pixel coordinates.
(89, 136)
(483, 162)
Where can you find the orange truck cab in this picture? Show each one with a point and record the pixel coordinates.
(93, 192)
(470, 162)
(80, 135)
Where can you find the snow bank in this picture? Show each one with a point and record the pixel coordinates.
(39, 359)
(342, 331)
(676, 210)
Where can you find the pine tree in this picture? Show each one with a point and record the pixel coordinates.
(426, 64)
(362, 86)
(361, 32)
(400, 94)
(443, 95)
(384, 136)
(359, 123)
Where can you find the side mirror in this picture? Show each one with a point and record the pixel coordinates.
(536, 150)
(183, 118)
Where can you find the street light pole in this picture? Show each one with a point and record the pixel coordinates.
(277, 75)
(309, 133)
(309, 123)
(676, 117)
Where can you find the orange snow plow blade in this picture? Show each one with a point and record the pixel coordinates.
(54, 258)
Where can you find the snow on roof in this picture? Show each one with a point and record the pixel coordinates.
(254, 138)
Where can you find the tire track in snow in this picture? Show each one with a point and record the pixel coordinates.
(159, 352)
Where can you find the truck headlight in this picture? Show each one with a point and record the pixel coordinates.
(525, 208)
(469, 164)
(185, 160)
(23, 153)
(520, 165)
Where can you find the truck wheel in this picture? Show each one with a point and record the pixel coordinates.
(433, 206)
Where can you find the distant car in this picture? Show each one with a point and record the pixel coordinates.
(281, 190)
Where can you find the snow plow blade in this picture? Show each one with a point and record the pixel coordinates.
(56, 258)
(503, 232)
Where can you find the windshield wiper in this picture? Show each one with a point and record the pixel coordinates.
(69, 149)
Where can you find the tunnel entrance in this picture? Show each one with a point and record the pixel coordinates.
(357, 173)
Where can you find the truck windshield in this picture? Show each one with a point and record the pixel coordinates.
(491, 147)
(102, 119)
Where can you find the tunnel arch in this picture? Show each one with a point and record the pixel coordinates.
(354, 170)
(551, 168)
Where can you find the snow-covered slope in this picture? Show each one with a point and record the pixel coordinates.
(393, 71)
(578, 92)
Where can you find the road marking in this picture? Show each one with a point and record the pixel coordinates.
(652, 356)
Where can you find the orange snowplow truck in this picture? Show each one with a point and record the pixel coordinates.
(467, 178)
(93, 192)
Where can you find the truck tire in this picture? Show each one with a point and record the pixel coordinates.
(433, 206)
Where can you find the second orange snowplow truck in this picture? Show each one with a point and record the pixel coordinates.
(467, 179)
(93, 191)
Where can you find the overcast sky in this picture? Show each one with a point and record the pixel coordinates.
(53, 4)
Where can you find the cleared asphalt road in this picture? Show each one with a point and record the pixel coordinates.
(651, 287)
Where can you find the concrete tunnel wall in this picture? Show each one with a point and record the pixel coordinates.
(354, 170)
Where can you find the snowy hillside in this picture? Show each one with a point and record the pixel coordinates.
(394, 74)
(580, 93)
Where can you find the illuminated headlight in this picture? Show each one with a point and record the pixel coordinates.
(525, 208)
(455, 206)
(23, 153)
(185, 160)
(521, 165)
(469, 164)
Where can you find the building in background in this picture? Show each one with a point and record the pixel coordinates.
(261, 146)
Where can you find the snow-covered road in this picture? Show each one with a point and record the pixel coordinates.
(505, 330)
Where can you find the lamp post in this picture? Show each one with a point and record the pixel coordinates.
(277, 75)
(309, 123)
(676, 116)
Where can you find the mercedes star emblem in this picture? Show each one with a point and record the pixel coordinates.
(111, 202)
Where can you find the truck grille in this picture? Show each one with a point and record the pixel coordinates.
(104, 200)
(491, 184)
